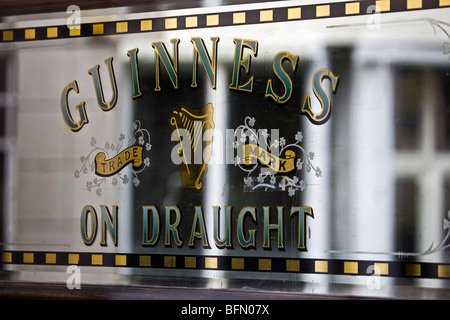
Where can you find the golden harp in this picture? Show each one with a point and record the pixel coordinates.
(192, 127)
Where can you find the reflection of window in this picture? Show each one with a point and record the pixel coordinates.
(447, 194)
(443, 111)
(416, 89)
(422, 134)
(408, 104)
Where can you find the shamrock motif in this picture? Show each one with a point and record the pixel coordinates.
(139, 135)
(247, 133)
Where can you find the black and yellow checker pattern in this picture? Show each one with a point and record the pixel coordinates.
(219, 19)
(396, 269)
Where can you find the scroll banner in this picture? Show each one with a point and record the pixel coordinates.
(253, 152)
(110, 167)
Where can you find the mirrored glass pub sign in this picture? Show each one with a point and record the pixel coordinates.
(291, 145)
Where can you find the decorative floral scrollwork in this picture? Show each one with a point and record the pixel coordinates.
(268, 179)
(139, 136)
(445, 243)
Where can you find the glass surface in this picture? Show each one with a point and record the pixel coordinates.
(342, 106)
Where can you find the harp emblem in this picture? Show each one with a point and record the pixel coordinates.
(193, 134)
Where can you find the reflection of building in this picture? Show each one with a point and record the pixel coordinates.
(406, 152)
(397, 174)
(386, 170)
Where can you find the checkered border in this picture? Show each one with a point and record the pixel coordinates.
(396, 269)
(219, 19)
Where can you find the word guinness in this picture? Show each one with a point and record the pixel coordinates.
(208, 58)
